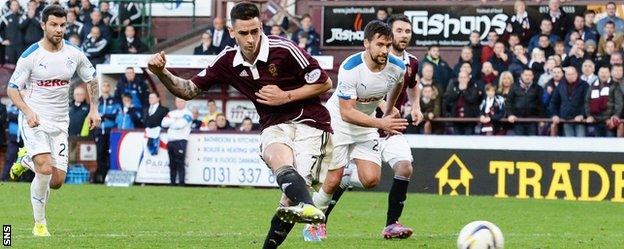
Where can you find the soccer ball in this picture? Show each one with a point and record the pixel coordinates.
(480, 235)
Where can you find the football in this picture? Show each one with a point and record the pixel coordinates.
(480, 235)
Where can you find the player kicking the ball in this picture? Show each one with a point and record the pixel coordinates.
(42, 75)
(364, 79)
(394, 149)
(284, 83)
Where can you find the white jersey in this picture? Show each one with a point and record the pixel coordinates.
(179, 123)
(44, 77)
(357, 81)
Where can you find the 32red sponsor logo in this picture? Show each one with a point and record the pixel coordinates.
(55, 82)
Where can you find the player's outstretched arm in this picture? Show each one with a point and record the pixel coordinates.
(179, 87)
(16, 98)
(93, 89)
(274, 96)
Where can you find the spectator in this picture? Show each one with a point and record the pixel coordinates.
(538, 59)
(212, 112)
(501, 59)
(597, 103)
(588, 70)
(277, 30)
(32, 24)
(441, 70)
(94, 47)
(105, 10)
(220, 37)
(547, 75)
(305, 45)
(84, 15)
(463, 98)
(73, 26)
(427, 79)
(546, 28)
(520, 23)
(246, 125)
(568, 103)
(153, 117)
(78, 111)
(128, 13)
(590, 24)
(558, 17)
(197, 123)
(466, 56)
(616, 104)
(545, 45)
(313, 38)
(560, 50)
(13, 140)
(488, 75)
(475, 45)
(551, 85)
(430, 107)
(584, 32)
(96, 21)
(492, 110)
(108, 108)
(133, 45)
(11, 32)
(524, 101)
(591, 50)
(611, 17)
(513, 41)
(75, 40)
(212, 125)
(205, 48)
(610, 34)
(134, 86)
(487, 51)
(506, 82)
(616, 59)
(223, 123)
(129, 117)
(605, 58)
(519, 60)
(179, 123)
(73, 6)
(382, 15)
(576, 56)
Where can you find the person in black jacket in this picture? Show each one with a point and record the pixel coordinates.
(467, 56)
(94, 47)
(96, 21)
(78, 111)
(475, 45)
(132, 44)
(525, 101)
(568, 103)
(152, 118)
(441, 70)
(133, 85)
(463, 98)
(11, 32)
(205, 48)
(560, 20)
(32, 25)
(73, 26)
(220, 36)
(520, 23)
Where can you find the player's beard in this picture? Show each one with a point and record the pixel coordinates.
(397, 46)
(380, 59)
(55, 40)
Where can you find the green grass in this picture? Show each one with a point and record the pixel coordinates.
(90, 216)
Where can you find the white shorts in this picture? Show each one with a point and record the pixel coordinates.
(394, 149)
(312, 148)
(46, 138)
(368, 150)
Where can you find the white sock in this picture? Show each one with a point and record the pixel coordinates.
(321, 199)
(28, 163)
(39, 192)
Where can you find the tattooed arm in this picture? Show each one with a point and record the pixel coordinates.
(179, 87)
(93, 89)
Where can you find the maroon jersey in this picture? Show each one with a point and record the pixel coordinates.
(409, 80)
(280, 62)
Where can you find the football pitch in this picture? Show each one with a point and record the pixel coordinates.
(95, 216)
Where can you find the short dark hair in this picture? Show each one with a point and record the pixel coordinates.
(247, 119)
(54, 10)
(398, 17)
(527, 70)
(377, 27)
(126, 95)
(432, 46)
(588, 12)
(611, 3)
(131, 68)
(244, 11)
(211, 100)
(610, 23)
(604, 66)
(304, 16)
(547, 37)
(155, 93)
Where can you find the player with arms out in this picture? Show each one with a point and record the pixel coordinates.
(395, 149)
(39, 87)
(364, 79)
(284, 83)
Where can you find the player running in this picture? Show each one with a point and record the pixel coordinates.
(394, 149)
(284, 83)
(42, 75)
(364, 79)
